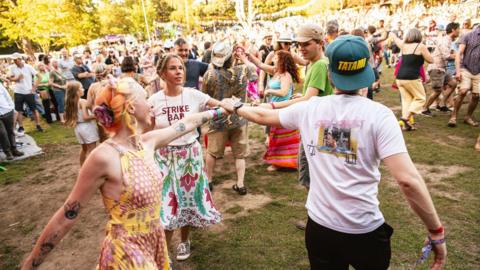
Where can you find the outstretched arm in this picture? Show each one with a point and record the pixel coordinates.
(162, 137)
(258, 115)
(397, 41)
(89, 179)
(264, 67)
(311, 92)
(413, 187)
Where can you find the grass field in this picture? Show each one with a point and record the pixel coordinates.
(267, 239)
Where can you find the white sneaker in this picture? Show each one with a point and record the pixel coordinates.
(183, 251)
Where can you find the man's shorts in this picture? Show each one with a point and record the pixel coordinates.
(470, 81)
(238, 138)
(29, 99)
(303, 173)
(439, 79)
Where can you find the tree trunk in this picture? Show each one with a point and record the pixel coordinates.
(27, 47)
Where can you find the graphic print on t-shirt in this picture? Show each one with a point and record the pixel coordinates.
(175, 113)
(337, 138)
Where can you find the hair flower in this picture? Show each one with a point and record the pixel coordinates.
(104, 115)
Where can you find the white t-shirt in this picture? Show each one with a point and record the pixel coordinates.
(25, 85)
(169, 110)
(6, 102)
(344, 138)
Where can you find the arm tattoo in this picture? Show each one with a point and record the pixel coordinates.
(71, 209)
(180, 127)
(45, 248)
(204, 120)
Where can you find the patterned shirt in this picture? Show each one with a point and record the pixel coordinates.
(442, 52)
(471, 54)
(220, 83)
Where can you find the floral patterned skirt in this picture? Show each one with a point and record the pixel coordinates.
(186, 197)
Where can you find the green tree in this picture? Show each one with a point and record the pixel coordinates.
(44, 23)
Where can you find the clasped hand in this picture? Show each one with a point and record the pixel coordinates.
(228, 104)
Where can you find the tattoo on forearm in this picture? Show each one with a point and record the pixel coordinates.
(180, 127)
(45, 248)
(71, 209)
(204, 119)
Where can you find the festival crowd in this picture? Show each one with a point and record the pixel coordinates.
(138, 113)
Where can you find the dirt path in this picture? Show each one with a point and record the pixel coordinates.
(28, 205)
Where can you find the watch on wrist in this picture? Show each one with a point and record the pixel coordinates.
(237, 106)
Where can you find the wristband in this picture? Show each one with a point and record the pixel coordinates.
(273, 105)
(436, 242)
(214, 113)
(440, 229)
(219, 112)
(427, 249)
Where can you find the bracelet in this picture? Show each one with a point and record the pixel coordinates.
(214, 113)
(436, 242)
(427, 248)
(219, 112)
(273, 105)
(440, 229)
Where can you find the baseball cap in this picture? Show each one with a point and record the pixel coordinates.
(16, 56)
(308, 32)
(220, 53)
(348, 63)
(285, 37)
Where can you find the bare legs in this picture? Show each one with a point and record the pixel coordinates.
(211, 161)
(86, 149)
(19, 118)
(477, 145)
(239, 167)
(471, 107)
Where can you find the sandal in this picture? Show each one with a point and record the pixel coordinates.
(452, 122)
(240, 190)
(470, 122)
(406, 124)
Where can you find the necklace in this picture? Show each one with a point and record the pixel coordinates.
(166, 104)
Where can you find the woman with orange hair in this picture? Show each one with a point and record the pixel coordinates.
(186, 198)
(123, 169)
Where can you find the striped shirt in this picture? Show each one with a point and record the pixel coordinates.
(471, 54)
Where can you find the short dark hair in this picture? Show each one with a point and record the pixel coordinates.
(358, 32)
(372, 29)
(452, 27)
(128, 64)
(207, 45)
(180, 42)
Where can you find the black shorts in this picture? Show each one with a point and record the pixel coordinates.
(24, 98)
(333, 250)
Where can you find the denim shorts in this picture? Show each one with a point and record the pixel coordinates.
(60, 98)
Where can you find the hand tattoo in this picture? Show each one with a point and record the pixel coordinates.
(180, 127)
(71, 209)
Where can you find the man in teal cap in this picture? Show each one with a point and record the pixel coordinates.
(345, 225)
